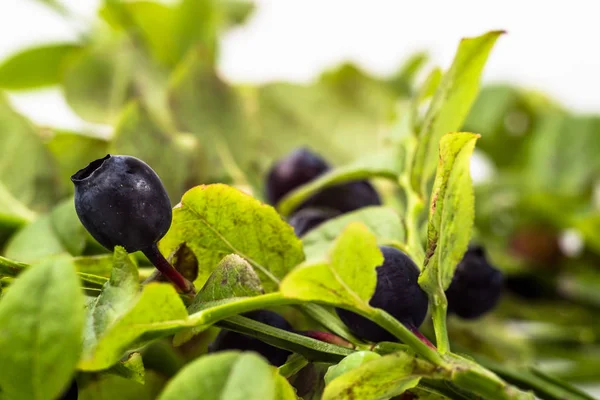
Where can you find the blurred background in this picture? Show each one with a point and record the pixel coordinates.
(215, 90)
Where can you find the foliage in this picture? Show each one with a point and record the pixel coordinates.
(70, 310)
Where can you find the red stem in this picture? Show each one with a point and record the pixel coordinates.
(422, 337)
(327, 337)
(168, 271)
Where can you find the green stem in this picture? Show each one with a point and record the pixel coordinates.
(392, 325)
(293, 365)
(309, 348)
(439, 307)
(329, 321)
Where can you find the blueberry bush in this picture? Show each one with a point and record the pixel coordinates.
(287, 241)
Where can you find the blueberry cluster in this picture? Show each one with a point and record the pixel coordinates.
(302, 166)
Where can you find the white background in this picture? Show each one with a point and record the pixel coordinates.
(550, 46)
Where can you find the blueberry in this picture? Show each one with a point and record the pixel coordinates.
(229, 340)
(302, 166)
(71, 393)
(297, 168)
(397, 292)
(121, 201)
(306, 219)
(476, 286)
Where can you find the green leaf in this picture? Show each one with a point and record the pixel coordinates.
(380, 165)
(36, 67)
(73, 151)
(142, 323)
(283, 389)
(216, 220)
(563, 154)
(13, 214)
(382, 378)
(132, 368)
(233, 277)
(116, 298)
(383, 222)
(451, 212)
(227, 375)
(40, 334)
(348, 278)
(36, 185)
(172, 155)
(98, 82)
(451, 217)
(349, 363)
(57, 232)
(107, 386)
(100, 265)
(450, 104)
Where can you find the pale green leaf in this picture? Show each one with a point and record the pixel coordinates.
(100, 265)
(227, 375)
(382, 378)
(143, 322)
(451, 212)
(36, 67)
(36, 185)
(117, 297)
(216, 220)
(172, 155)
(383, 222)
(98, 83)
(57, 232)
(349, 363)
(283, 389)
(450, 104)
(132, 368)
(40, 334)
(347, 278)
(111, 387)
(73, 151)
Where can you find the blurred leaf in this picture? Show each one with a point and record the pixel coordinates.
(110, 387)
(384, 222)
(450, 104)
(13, 214)
(378, 165)
(283, 389)
(217, 220)
(237, 12)
(349, 278)
(36, 67)
(40, 335)
(173, 156)
(117, 296)
(349, 363)
(132, 368)
(36, 184)
(73, 151)
(563, 155)
(97, 265)
(382, 378)
(57, 232)
(98, 82)
(142, 322)
(402, 81)
(226, 375)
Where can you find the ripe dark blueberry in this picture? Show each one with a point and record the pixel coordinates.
(229, 340)
(476, 286)
(121, 201)
(306, 219)
(297, 168)
(71, 393)
(397, 292)
(302, 166)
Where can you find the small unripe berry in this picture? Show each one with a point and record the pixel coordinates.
(476, 286)
(229, 340)
(397, 292)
